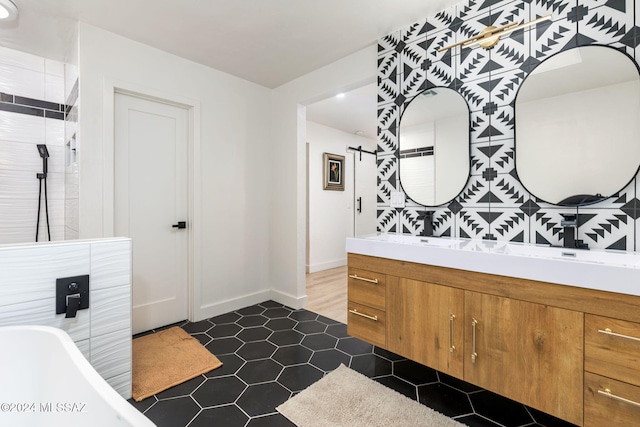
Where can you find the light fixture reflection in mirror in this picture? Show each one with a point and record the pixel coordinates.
(577, 125)
(434, 146)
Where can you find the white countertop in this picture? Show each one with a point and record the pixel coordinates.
(605, 270)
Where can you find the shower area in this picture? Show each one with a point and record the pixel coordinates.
(38, 148)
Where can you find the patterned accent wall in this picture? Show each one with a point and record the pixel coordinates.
(494, 204)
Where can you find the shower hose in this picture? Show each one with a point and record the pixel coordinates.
(42, 177)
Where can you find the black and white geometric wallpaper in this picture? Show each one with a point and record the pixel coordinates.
(494, 204)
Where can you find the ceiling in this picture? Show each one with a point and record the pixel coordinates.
(352, 112)
(268, 42)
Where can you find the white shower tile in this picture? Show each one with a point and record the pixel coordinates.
(110, 264)
(56, 214)
(70, 130)
(71, 234)
(71, 214)
(85, 348)
(71, 183)
(57, 233)
(70, 83)
(110, 310)
(21, 127)
(121, 384)
(111, 353)
(54, 89)
(18, 184)
(12, 235)
(24, 156)
(54, 133)
(70, 78)
(16, 58)
(54, 67)
(21, 82)
(43, 312)
(22, 212)
(17, 235)
(30, 273)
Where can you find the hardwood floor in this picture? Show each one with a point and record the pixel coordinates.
(327, 293)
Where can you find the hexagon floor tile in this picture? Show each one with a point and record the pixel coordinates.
(271, 352)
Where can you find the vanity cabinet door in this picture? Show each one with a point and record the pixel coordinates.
(528, 352)
(424, 323)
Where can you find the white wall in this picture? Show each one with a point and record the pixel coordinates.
(30, 76)
(231, 203)
(330, 212)
(288, 203)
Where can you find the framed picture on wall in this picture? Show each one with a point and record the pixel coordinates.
(333, 172)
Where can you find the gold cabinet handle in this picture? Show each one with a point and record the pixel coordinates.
(606, 392)
(364, 279)
(451, 346)
(357, 313)
(474, 355)
(608, 331)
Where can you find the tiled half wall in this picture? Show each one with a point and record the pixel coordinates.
(102, 332)
(494, 204)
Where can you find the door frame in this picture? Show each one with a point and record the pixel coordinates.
(355, 153)
(194, 174)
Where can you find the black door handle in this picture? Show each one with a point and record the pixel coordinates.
(359, 209)
(180, 224)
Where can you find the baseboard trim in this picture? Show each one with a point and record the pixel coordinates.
(289, 300)
(326, 265)
(211, 310)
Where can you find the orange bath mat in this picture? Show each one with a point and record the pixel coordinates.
(167, 358)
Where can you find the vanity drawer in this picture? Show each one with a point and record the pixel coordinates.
(367, 323)
(612, 348)
(609, 402)
(367, 287)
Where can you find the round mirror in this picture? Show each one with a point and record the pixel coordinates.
(434, 146)
(577, 126)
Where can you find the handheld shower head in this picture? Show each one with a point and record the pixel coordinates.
(42, 177)
(42, 149)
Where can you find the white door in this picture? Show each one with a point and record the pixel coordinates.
(365, 194)
(151, 143)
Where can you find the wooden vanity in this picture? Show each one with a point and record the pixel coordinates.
(568, 351)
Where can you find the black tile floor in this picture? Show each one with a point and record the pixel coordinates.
(271, 352)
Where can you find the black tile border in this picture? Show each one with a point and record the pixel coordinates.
(416, 152)
(32, 107)
(21, 109)
(30, 102)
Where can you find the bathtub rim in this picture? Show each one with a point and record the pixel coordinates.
(110, 396)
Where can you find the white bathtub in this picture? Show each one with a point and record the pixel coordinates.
(46, 381)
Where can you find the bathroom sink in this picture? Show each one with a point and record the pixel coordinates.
(609, 257)
(608, 270)
(414, 240)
